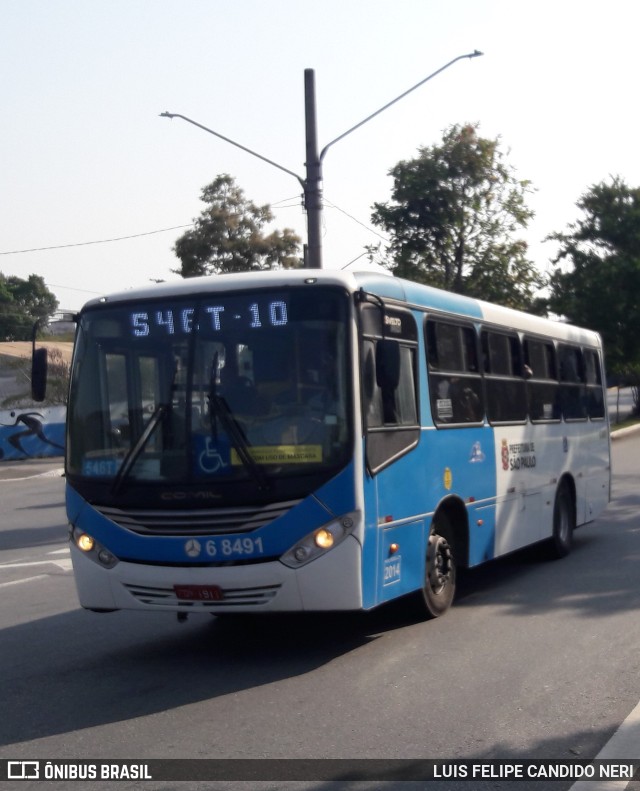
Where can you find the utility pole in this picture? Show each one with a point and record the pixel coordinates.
(312, 184)
(313, 181)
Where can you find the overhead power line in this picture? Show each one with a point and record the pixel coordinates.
(274, 206)
(356, 220)
(97, 241)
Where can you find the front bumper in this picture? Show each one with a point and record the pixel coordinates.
(331, 582)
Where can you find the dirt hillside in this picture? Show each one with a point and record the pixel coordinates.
(23, 348)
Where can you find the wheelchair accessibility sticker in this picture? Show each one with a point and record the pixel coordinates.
(214, 458)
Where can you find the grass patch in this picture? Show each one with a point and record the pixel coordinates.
(630, 421)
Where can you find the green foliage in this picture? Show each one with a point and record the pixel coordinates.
(596, 282)
(228, 236)
(22, 303)
(454, 213)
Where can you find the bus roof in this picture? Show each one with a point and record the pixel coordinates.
(374, 280)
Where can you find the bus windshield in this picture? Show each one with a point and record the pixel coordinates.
(211, 389)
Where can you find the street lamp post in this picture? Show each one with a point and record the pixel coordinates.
(312, 184)
(313, 181)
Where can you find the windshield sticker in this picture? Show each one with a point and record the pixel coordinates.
(100, 467)
(444, 408)
(282, 454)
(212, 458)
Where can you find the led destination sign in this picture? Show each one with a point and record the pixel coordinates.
(244, 313)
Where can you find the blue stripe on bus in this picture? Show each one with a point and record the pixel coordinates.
(275, 538)
(419, 294)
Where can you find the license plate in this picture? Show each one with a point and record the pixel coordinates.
(198, 592)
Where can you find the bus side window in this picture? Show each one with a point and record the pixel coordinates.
(542, 385)
(593, 378)
(395, 377)
(573, 394)
(455, 382)
(389, 380)
(504, 377)
(390, 394)
(372, 396)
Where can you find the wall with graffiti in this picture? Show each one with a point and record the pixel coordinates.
(32, 432)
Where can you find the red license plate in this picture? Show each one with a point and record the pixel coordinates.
(198, 592)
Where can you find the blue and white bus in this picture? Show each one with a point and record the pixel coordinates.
(320, 440)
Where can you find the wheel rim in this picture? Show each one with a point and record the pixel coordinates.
(564, 526)
(440, 565)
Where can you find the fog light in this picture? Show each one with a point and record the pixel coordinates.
(324, 539)
(105, 557)
(301, 553)
(85, 542)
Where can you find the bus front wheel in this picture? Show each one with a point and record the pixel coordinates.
(439, 586)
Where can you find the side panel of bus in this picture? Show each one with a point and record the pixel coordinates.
(504, 426)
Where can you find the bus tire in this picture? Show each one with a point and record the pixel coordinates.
(439, 586)
(564, 522)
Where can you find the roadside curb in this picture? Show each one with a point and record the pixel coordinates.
(625, 432)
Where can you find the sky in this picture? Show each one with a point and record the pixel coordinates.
(85, 156)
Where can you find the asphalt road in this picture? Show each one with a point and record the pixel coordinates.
(537, 659)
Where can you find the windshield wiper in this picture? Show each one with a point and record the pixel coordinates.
(132, 456)
(219, 409)
(136, 449)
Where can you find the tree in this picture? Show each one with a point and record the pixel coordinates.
(454, 213)
(22, 303)
(228, 236)
(596, 282)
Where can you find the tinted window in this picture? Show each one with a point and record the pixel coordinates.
(595, 391)
(505, 385)
(544, 402)
(455, 384)
(573, 393)
(389, 383)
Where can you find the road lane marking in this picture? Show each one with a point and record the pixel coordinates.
(25, 579)
(624, 745)
(50, 474)
(64, 564)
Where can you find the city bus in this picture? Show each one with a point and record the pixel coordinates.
(318, 440)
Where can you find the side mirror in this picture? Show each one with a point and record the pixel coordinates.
(62, 323)
(39, 364)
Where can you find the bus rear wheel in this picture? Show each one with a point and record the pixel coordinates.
(439, 586)
(564, 522)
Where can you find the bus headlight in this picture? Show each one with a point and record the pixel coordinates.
(92, 548)
(321, 540)
(85, 542)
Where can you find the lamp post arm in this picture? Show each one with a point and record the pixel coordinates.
(476, 53)
(233, 143)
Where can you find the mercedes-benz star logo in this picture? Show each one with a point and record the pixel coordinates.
(192, 548)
